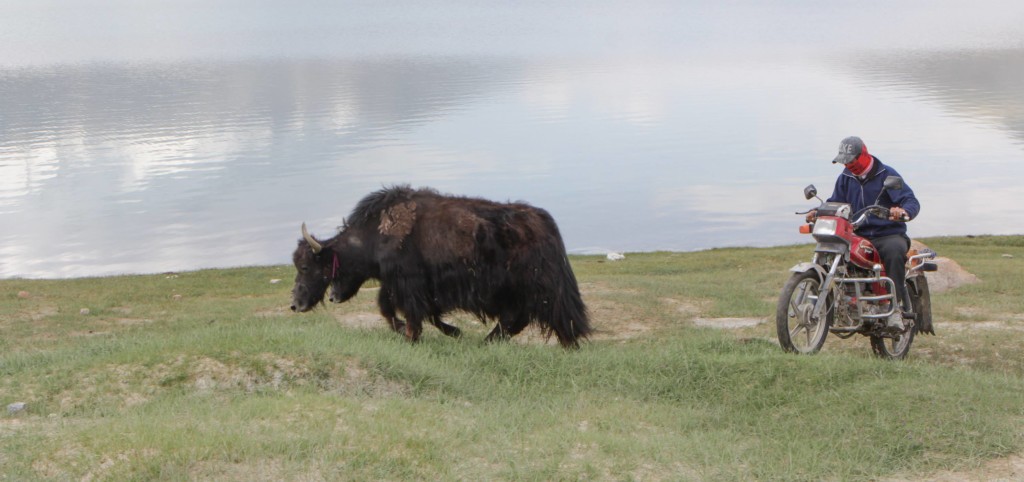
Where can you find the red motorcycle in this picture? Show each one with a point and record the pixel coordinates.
(844, 289)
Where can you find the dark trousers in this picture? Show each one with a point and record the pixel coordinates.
(893, 250)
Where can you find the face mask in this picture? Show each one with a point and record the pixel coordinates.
(861, 164)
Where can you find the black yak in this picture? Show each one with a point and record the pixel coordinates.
(435, 253)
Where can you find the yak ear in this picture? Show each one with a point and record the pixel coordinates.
(398, 220)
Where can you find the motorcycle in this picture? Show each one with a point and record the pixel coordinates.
(844, 289)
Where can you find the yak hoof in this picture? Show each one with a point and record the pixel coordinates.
(497, 336)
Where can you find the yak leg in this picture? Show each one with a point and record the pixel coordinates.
(499, 332)
(445, 328)
(414, 310)
(413, 328)
(509, 324)
(386, 303)
(518, 324)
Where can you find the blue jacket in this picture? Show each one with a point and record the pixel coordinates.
(850, 189)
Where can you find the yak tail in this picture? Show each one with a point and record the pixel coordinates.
(568, 318)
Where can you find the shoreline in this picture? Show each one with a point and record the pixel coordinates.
(591, 252)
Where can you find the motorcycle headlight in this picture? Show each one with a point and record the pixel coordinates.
(825, 227)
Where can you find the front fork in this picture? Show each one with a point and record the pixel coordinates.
(821, 304)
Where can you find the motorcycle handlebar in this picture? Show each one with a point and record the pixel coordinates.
(860, 216)
(877, 210)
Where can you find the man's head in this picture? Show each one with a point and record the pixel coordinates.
(853, 154)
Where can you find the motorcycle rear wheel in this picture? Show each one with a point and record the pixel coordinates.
(898, 348)
(797, 332)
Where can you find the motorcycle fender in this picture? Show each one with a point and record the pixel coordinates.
(808, 266)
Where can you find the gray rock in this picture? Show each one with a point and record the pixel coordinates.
(15, 407)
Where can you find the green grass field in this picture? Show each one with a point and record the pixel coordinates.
(207, 375)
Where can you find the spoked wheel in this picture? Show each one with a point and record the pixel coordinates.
(898, 347)
(797, 330)
(894, 348)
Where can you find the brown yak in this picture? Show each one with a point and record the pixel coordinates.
(435, 253)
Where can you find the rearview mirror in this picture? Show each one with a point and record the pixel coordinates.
(893, 182)
(810, 191)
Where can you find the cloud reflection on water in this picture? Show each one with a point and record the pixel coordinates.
(158, 167)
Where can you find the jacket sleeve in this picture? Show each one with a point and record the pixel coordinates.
(905, 198)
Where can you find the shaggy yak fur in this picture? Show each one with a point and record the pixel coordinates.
(435, 253)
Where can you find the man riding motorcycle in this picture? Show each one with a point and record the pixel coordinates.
(859, 185)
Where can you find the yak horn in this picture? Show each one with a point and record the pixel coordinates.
(315, 246)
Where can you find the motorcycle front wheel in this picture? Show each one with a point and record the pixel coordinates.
(797, 331)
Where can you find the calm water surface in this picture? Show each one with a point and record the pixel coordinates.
(140, 137)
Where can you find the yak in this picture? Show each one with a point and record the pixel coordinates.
(434, 253)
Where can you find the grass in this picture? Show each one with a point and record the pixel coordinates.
(206, 375)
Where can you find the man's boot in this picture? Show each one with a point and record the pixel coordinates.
(895, 322)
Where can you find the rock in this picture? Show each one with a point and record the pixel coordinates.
(275, 281)
(84, 311)
(616, 256)
(23, 295)
(949, 275)
(176, 297)
(1007, 255)
(16, 407)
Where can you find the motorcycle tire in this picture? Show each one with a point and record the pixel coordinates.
(898, 347)
(796, 331)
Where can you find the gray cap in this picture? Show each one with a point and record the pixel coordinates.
(849, 149)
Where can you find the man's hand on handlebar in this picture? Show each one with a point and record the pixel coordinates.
(812, 215)
(897, 213)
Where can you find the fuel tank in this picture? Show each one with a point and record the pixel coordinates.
(864, 254)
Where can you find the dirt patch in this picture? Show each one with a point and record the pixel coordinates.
(728, 323)
(132, 385)
(362, 320)
(593, 289)
(278, 373)
(985, 315)
(265, 469)
(692, 308)
(43, 313)
(958, 326)
(686, 307)
(275, 312)
(1006, 468)
(614, 321)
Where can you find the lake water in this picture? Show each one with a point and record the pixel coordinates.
(141, 137)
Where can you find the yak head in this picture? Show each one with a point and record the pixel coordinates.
(313, 263)
(338, 263)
